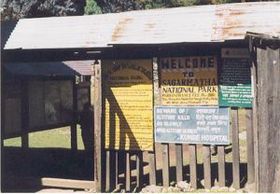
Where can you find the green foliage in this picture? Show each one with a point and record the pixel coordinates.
(92, 8)
(153, 4)
(180, 3)
(222, 1)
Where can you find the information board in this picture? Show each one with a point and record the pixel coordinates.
(235, 88)
(50, 102)
(192, 125)
(128, 104)
(188, 81)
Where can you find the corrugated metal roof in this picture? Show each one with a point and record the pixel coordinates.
(208, 23)
(176, 25)
(64, 68)
(62, 32)
(232, 22)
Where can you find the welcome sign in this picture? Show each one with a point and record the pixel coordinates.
(188, 80)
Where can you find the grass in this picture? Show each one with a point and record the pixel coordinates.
(53, 138)
(60, 138)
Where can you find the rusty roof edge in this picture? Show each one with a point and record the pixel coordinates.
(263, 35)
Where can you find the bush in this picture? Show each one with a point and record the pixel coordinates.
(92, 8)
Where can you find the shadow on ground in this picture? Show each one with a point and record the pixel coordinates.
(21, 164)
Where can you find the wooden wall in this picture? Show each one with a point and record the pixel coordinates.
(268, 117)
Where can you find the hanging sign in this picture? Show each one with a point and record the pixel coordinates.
(235, 88)
(128, 104)
(188, 81)
(192, 125)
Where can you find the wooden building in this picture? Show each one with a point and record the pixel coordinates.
(153, 49)
(265, 55)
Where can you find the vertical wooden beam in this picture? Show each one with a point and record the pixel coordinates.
(112, 167)
(268, 119)
(73, 127)
(253, 54)
(127, 172)
(263, 121)
(157, 100)
(24, 114)
(165, 165)
(274, 119)
(139, 166)
(193, 166)
(98, 128)
(235, 150)
(221, 166)
(207, 166)
(108, 171)
(179, 163)
(152, 168)
(116, 169)
(250, 147)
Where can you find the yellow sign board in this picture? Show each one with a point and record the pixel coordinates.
(128, 104)
(188, 81)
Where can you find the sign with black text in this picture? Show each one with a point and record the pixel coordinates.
(235, 79)
(188, 80)
(128, 95)
(192, 125)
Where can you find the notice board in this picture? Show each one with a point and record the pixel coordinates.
(188, 80)
(192, 125)
(128, 104)
(235, 88)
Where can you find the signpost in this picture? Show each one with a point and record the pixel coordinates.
(128, 105)
(235, 79)
(189, 80)
(192, 125)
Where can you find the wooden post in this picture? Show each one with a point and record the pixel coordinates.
(98, 128)
(117, 169)
(139, 166)
(24, 114)
(152, 168)
(151, 155)
(73, 127)
(254, 116)
(179, 163)
(108, 171)
(207, 166)
(165, 165)
(255, 124)
(127, 172)
(112, 165)
(193, 166)
(221, 166)
(235, 149)
(268, 119)
(250, 147)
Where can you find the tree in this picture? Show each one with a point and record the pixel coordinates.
(16, 9)
(92, 8)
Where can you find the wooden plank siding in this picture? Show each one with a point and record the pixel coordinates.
(268, 119)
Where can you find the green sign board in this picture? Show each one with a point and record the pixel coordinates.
(235, 83)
